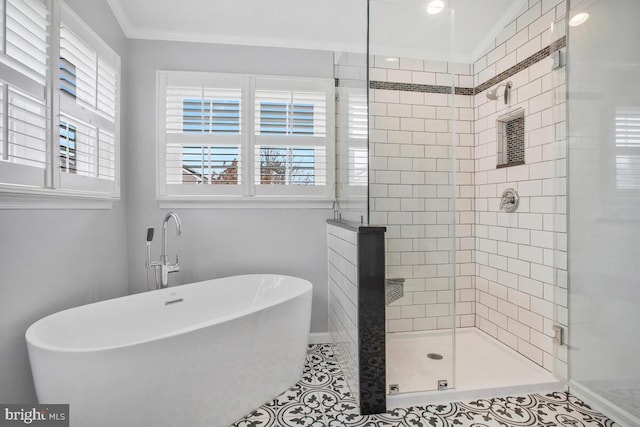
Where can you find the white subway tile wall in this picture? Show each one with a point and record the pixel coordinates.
(411, 192)
(343, 301)
(511, 267)
(520, 256)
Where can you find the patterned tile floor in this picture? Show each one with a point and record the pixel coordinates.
(322, 399)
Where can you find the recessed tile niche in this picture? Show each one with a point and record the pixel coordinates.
(510, 139)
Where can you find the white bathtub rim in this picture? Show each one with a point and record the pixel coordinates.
(36, 342)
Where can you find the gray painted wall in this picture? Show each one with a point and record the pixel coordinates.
(56, 259)
(218, 242)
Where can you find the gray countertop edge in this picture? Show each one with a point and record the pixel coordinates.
(357, 227)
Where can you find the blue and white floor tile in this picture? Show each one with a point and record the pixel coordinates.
(322, 399)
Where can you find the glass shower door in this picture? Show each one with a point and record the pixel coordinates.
(604, 206)
(412, 186)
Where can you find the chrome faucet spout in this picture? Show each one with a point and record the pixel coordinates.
(163, 263)
(176, 218)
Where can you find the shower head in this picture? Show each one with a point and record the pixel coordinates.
(492, 94)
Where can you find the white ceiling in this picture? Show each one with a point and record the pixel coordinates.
(398, 27)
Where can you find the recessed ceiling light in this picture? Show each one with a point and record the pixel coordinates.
(435, 6)
(579, 19)
(392, 59)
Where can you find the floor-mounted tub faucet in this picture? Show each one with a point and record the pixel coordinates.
(163, 264)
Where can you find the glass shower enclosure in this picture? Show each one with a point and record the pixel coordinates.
(604, 206)
(412, 185)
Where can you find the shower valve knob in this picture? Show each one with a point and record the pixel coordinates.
(509, 200)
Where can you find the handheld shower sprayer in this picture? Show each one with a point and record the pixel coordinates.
(150, 231)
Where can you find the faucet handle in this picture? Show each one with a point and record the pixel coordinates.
(177, 260)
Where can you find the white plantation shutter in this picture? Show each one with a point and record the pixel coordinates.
(107, 92)
(106, 155)
(23, 111)
(84, 59)
(89, 86)
(358, 116)
(86, 150)
(26, 35)
(295, 114)
(94, 78)
(358, 131)
(204, 111)
(201, 133)
(293, 136)
(26, 130)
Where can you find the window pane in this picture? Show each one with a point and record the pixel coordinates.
(290, 113)
(302, 119)
(273, 118)
(289, 166)
(282, 118)
(68, 77)
(201, 164)
(210, 116)
(78, 147)
(27, 130)
(106, 155)
(358, 116)
(358, 166)
(67, 147)
(85, 149)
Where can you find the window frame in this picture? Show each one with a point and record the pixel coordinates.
(247, 193)
(61, 190)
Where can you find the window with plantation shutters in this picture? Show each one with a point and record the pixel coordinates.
(292, 137)
(59, 109)
(23, 109)
(234, 137)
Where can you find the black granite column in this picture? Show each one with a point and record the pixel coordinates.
(371, 320)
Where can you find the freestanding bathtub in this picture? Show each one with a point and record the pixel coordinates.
(202, 354)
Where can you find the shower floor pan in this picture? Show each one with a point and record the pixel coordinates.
(484, 368)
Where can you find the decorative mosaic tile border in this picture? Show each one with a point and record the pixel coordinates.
(413, 87)
(322, 399)
(522, 65)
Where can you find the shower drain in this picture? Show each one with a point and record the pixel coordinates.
(434, 356)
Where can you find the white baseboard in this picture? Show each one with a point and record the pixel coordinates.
(610, 409)
(320, 338)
